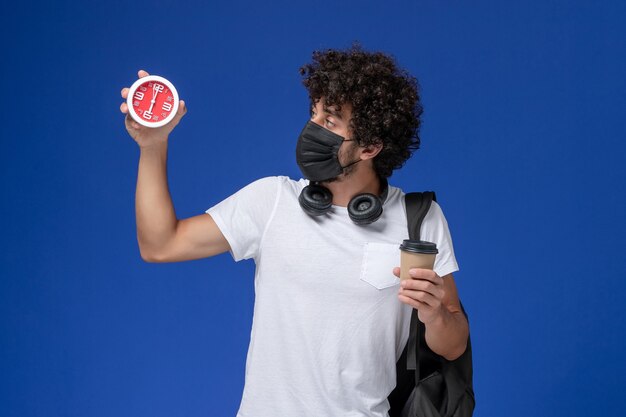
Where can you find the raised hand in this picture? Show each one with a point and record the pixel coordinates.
(148, 136)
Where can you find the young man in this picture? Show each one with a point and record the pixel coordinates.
(331, 318)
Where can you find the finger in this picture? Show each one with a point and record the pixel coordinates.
(426, 274)
(418, 305)
(418, 284)
(125, 92)
(396, 271)
(131, 122)
(420, 296)
(124, 108)
(422, 285)
(182, 110)
(142, 73)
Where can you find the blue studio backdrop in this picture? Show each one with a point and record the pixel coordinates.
(523, 140)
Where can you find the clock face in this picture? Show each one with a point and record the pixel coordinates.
(152, 101)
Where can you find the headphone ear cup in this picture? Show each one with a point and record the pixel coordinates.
(365, 208)
(315, 200)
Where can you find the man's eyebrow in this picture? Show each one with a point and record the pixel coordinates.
(333, 112)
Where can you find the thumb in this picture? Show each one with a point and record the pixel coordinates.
(182, 110)
(396, 271)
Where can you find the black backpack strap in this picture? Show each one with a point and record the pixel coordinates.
(417, 206)
(449, 391)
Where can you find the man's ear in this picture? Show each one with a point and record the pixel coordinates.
(371, 151)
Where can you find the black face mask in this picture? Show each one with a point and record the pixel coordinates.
(317, 153)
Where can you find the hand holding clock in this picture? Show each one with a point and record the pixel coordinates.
(155, 123)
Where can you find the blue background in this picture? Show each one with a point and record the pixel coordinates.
(523, 140)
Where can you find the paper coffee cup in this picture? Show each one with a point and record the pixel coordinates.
(416, 254)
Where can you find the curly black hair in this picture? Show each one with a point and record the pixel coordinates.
(385, 100)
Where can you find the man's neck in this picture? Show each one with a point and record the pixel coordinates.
(360, 181)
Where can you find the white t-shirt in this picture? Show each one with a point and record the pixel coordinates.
(328, 327)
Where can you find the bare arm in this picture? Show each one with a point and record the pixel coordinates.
(161, 236)
(437, 303)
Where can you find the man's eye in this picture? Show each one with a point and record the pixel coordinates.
(329, 123)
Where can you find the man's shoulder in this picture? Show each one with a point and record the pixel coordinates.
(270, 188)
(280, 181)
(396, 194)
(394, 189)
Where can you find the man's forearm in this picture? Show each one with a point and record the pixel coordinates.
(447, 335)
(156, 218)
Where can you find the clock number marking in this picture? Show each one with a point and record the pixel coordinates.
(141, 96)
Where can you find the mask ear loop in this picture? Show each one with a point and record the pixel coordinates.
(350, 164)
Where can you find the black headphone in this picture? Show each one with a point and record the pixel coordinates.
(363, 209)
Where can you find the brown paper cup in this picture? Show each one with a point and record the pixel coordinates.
(410, 260)
(416, 254)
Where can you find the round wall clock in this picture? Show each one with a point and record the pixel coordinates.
(152, 101)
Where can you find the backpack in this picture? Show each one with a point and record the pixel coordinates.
(428, 385)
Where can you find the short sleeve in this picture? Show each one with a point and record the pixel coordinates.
(244, 216)
(435, 229)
